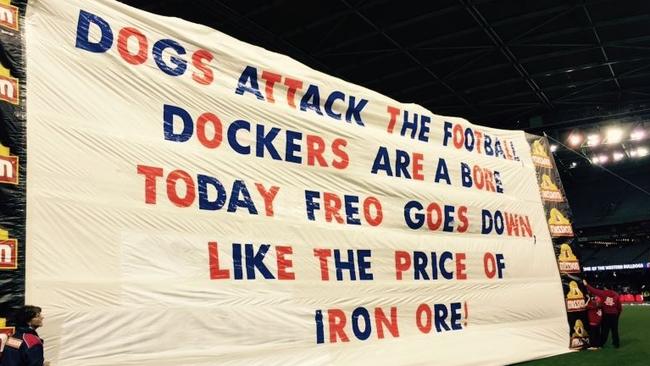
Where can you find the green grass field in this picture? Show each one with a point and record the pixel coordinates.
(634, 331)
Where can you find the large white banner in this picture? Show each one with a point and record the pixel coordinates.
(195, 200)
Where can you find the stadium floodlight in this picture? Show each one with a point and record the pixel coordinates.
(553, 148)
(575, 139)
(614, 135)
(637, 134)
(603, 158)
(642, 151)
(618, 156)
(595, 160)
(633, 153)
(593, 140)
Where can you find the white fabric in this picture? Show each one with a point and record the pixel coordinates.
(124, 282)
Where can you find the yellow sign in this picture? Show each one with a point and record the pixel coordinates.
(9, 88)
(8, 15)
(579, 335)
(558, 224)
(549, 190)
(539, 155)
(575, 300)
(8, 166)
(567, 261)
(8, 251)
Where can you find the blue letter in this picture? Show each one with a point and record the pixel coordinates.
(466, 175)
(83, 41)
(249, 75)
(247, 202)
(311, 100)
(237, 125)
(329, 103)
(382, 162)
(447, 134)
(418, 217)
(354, 111)
(159, 47)
(363, 255)
(204, 201)
(486, 218)
(292, 147)
(357, 314)
(442, 172)
(310, 204)
(169, 111)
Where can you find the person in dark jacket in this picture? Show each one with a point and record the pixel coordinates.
(25, 347)
(611, 311)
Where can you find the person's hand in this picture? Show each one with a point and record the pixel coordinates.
(584, 282)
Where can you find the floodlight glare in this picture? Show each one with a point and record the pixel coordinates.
(614, 135)
(593, 140)
(618, 156)
(575, 139)
(642, 151)
(637, 135)
(603, 159)
(595, 160)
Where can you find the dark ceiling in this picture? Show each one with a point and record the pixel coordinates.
(502, 63)
(548, 66)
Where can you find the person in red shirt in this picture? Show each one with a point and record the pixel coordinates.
(611, 311)
(595, 315)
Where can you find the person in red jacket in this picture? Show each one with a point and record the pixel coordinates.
(595, 316)
(611, 311)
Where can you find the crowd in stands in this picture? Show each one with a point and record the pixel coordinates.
(632, 286)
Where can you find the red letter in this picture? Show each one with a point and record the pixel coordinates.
(268, 196)
(460, 266)
(379, 215)
(511, 224)
(459, 136)
(293, 85)
(426, 327)
(394, 112)
(337, 149)
(271, 79)
(381, 321)
(489, 265)
(215, 272)
(477, 172)
(417, 166)
(150, 173)
(123, 46)
(284, 263)
(332, 207)
(402, 263)
(315, 149)
(190, 192)
(337, 320)
(200, 130)
(197, 60)
(489, 183)
(462, 217)
(434, 225)
(525, 226)
(322, 255)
